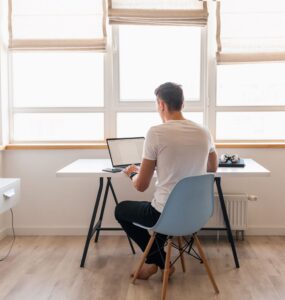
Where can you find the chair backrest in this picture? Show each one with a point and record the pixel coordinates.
(189, 206)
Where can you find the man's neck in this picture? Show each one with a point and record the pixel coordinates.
(173, 116)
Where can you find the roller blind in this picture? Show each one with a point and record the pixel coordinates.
(250, 30)
(57, 24)
(158, 12)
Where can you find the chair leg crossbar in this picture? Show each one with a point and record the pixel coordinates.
(187, 247)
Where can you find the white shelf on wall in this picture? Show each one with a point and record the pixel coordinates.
(9, 193)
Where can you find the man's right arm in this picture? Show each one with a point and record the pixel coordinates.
(212, 164)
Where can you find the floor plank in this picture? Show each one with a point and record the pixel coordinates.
(47, 268)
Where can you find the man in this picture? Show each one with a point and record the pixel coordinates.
(178, 148)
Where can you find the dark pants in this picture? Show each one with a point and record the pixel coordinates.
(143, 213)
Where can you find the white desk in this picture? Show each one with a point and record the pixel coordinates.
(93, 168)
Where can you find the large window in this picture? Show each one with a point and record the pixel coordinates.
(250, 98)
(59, 96)
(72, 79)
(62, 95)
(56, 68)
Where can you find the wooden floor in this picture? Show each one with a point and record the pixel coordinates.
(48, 268)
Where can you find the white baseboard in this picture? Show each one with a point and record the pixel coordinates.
(60, 231)
(82, 231)
(271, 231)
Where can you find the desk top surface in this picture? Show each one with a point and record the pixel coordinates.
(7, 181)
(93, 167)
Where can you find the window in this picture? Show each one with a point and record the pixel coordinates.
(250, 98)
(251, 84)
(57, 127)
(57, 79)
(151, 55)
(57, 89)
(150, 60)
(66, 89)
(254, 125)
(56, 70)
(65, 84)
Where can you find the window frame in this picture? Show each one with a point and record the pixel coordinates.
(13, 110)
(215, 108)
(113, 105)
(118, 106)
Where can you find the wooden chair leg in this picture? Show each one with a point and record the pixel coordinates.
(181, 253)
(205, 262)
(166, 270)
(151, 240)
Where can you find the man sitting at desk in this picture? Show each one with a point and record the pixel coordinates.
(178, 148)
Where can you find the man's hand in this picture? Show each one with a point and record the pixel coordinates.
(131, 169)
(142, 180)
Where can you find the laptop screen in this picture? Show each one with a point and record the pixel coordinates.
(125, 151)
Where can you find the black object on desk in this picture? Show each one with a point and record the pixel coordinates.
(239, 164)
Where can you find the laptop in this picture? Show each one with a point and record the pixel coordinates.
(124, 152)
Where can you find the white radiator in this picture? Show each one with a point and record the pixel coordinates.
(236, 205)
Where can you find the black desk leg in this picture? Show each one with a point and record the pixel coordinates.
(116, 201)
(90, 231)
(226, 219)
(99, 223)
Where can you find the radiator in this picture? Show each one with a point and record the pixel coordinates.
(236, 205)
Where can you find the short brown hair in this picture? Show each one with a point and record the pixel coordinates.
(172, 94)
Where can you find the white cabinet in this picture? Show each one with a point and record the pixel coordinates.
(9, 193)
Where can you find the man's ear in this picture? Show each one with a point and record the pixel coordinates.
(161, 105)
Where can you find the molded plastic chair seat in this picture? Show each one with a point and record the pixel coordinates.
(188, 208)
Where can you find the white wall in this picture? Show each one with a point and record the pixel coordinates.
(2, 222)
(51, 205)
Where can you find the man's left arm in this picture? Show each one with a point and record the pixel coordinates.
(142, 179)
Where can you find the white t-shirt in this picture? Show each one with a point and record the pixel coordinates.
(181, 149)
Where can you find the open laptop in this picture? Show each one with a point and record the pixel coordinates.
(124, 152)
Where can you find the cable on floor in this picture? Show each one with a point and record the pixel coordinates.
(14, 237)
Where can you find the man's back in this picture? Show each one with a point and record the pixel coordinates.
(181, 149)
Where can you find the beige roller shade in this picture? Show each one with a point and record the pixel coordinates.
(250, 31)
(57, 24)
(158, 12)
